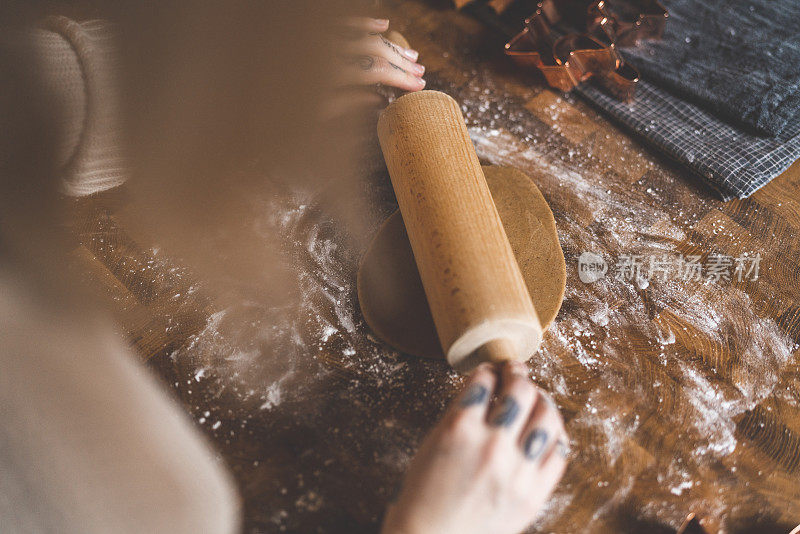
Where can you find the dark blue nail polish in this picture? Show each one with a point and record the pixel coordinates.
(475, 394)
(509, 409)
(535, 444)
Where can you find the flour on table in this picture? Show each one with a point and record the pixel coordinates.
(595, 334)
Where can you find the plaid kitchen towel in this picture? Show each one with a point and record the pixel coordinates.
(739, 59)
(732, 161)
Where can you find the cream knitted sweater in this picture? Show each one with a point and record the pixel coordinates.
(79, 70)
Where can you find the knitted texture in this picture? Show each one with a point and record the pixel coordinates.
(79, 68)
(731, 161)
(695, 113)
(737, 59)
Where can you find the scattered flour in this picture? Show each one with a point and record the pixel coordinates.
(607, 339)
(616, 372)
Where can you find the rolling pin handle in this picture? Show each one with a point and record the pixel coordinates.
(495, 351)
(498, 351)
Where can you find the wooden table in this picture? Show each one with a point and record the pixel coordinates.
(680, 395)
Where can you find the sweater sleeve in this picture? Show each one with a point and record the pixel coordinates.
(79, 70)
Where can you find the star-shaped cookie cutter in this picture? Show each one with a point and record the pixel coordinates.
(569, 60)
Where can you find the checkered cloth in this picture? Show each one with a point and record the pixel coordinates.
(739, 59)
(733, 162)
(720, 91)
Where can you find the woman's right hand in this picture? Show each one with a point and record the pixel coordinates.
(489, 465)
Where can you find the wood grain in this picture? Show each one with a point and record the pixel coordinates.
(679, 397)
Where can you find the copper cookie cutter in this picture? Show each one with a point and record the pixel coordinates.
(625, 24)
(571, 59)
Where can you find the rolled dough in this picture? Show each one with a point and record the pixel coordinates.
(390, 291)
(397, 38)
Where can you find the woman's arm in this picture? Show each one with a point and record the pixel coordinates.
(89, 442)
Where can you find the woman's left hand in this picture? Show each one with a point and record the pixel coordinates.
(368, 57)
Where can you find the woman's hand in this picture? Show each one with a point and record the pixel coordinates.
(488, 466)
(369, 58)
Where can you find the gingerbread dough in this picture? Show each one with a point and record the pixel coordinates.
(397, 38)
(390, 291)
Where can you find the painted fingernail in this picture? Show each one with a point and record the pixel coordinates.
(421, 82)
(475, 394)
(382, 22)
(535, 444)
(562, 448)
(509, 409)
(418, 69)
(410, 54)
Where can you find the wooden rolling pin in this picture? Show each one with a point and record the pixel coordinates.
(476, 293)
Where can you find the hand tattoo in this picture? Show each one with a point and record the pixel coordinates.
(390, 44)
(509, 410)
(364, 62)
(476, 394)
